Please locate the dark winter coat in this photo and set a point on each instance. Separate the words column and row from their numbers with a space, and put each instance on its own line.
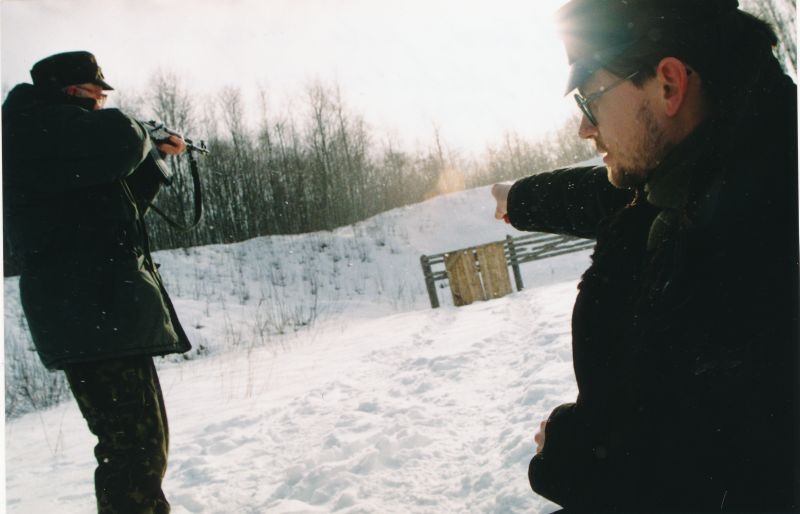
column 685, row 327
column 76, row 183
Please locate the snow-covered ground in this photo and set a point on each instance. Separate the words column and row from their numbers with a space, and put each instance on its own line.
column 326, row 383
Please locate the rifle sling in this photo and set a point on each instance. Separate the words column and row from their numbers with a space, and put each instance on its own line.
column 198, row 200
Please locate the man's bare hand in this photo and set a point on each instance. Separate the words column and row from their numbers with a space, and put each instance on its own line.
column 173, row 145
column 539, row 437
column 500, row 193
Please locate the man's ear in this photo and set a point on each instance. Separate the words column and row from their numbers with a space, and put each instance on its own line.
column 673, row 80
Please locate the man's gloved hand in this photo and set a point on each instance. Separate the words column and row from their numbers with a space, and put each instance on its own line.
column 500, row 193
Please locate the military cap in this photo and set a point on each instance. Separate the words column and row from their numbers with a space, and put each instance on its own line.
column 597, row 31
column 68, row 68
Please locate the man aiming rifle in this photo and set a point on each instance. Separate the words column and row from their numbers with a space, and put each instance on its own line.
column 77, row 181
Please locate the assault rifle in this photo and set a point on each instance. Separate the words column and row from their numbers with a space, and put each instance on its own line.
column 158, row 133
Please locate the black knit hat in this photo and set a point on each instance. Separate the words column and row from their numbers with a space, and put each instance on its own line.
column 597, row 31
column 68, row 68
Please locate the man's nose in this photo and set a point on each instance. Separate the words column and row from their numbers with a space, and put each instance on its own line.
column 586, row 130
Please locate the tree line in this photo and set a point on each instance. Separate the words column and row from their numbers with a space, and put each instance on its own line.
column 320, row 171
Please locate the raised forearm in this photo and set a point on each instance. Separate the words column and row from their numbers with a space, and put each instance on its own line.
column 566, row 201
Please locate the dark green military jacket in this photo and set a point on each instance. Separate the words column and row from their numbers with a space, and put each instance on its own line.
column 76, row 183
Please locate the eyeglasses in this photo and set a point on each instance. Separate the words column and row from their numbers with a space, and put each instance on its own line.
column 584, row 102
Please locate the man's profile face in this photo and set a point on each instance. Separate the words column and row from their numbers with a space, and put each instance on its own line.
column 628, row 134
column 88, row 90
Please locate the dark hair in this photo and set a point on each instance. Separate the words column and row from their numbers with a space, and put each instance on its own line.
column 733, row 41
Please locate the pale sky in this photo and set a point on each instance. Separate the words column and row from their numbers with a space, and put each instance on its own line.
column 474, row 68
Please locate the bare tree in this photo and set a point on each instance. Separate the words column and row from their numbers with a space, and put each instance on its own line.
column 517, row 157
column 172, row 104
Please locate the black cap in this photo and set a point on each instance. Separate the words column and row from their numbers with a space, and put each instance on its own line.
column 597, row 31
column 68, row 68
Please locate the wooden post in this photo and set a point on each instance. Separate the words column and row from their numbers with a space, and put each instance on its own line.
column 512, row 256
column 429, row 282
column 465, row 283
column 494, row 270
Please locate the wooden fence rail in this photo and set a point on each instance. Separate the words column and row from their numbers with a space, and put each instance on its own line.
column 469, row 272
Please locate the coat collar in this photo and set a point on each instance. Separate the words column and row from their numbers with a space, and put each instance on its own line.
column 669, row 183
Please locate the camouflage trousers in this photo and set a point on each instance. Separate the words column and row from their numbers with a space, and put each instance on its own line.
column 122, row 403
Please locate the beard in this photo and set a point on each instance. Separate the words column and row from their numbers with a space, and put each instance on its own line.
column 633, row 168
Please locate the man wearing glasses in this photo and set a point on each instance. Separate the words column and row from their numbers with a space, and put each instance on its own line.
column 77, row 181
column 685, row 327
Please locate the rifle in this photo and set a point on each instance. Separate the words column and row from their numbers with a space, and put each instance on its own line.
column 158, row 132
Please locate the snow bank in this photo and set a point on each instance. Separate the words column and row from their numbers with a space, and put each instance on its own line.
column 327, row 383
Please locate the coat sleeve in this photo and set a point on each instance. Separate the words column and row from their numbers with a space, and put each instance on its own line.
column 79, row 148
column 560, row 472
column 565, row 201
column 145, row 183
